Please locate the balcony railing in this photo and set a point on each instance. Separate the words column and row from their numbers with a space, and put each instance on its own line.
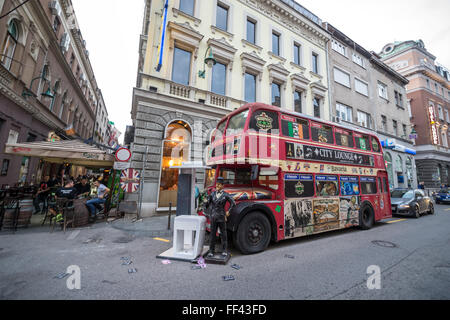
column 194, row 94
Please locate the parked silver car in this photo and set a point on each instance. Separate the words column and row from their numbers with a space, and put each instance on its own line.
column 411, row 202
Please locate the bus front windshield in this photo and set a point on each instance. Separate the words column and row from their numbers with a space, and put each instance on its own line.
column 235, row 176
column 237, row 123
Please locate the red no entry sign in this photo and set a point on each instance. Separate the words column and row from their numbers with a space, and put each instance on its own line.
column 123, row 155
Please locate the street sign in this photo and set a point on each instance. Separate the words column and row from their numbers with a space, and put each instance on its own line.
column 123, row 155
column 121, row 165
column 130, row 180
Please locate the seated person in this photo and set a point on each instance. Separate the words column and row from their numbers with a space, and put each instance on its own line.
column 83, row 188
column 102, row 192
column 67, row 192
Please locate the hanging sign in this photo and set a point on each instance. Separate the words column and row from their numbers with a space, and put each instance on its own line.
column 130, row 180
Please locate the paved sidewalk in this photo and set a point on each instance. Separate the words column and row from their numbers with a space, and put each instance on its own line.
column 146, row 227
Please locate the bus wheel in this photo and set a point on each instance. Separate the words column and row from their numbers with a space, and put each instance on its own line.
column 366, row 218
column 253, row 234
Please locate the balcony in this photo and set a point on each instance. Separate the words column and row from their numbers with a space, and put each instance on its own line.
column 170, row 88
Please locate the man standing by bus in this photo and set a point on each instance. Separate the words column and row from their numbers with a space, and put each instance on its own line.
column 217, row 200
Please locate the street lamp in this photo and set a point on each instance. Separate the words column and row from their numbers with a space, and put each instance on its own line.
column 27, row 92
column 210, row 61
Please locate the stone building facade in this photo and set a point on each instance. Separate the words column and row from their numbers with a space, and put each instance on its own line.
column 271, row 51
column 46, row 82
column 428, row 94
column 366, row 93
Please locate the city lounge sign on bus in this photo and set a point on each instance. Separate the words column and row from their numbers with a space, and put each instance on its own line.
column 434, row 130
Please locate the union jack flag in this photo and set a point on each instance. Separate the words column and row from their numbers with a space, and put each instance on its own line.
column 130, row 180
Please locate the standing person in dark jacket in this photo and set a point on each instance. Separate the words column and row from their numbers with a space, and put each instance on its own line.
column 217, row 200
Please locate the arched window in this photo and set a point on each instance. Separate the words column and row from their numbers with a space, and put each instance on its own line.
column 176, row 149
column 63, row 103
column 10, row 44
column 389, row 168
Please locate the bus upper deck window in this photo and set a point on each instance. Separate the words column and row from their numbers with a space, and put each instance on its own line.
column 265, row 122
column 362, row 142
column 294, row 127
column 219, row 132
column 344, row 138
column 321, row 133
column 237, row 123
column 375, row 145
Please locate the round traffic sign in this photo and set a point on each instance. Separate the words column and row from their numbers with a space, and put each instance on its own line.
column 123, row 155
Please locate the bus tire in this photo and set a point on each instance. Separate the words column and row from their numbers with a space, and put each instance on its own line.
column 253, row 234
column 366, row 217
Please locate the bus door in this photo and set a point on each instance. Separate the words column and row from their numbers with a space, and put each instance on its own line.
column 384, row 195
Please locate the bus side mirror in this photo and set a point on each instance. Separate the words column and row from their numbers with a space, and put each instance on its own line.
column 255, row 172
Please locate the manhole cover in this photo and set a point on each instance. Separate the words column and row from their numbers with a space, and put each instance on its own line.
column 123, row 240
column 385, row 244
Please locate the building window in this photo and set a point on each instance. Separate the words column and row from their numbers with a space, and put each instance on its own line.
column 361, row 87
column 344, row 112
column 384, row 123
column 298, row 101
column 441, row 113
column 339, row 48
column 182, row 61
column 251, row 31
column 428, row 84
column 342, row 77
column 405, row 133
column 447, row 116
column 364, row 119
column 276, row 94
column 222, row 17
column 9, row 47
column 5, row 167
column 56, row 24
column 187, row 6
column 250, row 87
column 444, row 139
column 358, row 60
column 219, row 78
column 31, row 137
column 315, row 63
column 316, row 105
column 13, row 136
column 398, row 99
column 436, row 88
column 275, row 43
column 297, row 53
column 395, row 126
column 382, row 90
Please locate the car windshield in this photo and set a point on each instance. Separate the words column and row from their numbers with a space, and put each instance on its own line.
column 403, row 194
column 446, row 191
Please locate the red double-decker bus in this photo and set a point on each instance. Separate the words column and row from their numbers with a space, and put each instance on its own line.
column 293, row 175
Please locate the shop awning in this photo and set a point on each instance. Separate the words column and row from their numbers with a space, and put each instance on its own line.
column 74, row 152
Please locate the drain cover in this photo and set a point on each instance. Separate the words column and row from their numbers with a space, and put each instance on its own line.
column 123, row 240
column 385, row 244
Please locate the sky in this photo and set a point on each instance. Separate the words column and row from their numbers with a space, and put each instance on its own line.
column 112, row 28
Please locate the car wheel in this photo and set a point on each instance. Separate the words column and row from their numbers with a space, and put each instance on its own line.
column 416, row 212
column 253, row 234
column 366, row 218
column 431, row 211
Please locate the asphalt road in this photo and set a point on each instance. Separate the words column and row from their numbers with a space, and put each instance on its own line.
column 414, row 264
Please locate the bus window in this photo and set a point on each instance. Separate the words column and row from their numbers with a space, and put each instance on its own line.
column 368, row 185
column 218, row 133
column 237, row 123
column 344, row 138
column 321, row 133
column 375, row 145
column 326, row 186
column 349, row 186
column 362, row 142
column 298, row 186
column 268, row 177
column 234, row 176
column 265, row 122
column 294, row 127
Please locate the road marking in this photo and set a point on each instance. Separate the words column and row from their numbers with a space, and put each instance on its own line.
column 394, row 221
column 73, row 235
column 447, row 209
column 160, row 239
